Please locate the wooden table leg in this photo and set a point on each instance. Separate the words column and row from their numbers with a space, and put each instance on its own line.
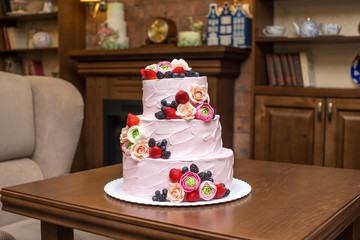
column 51, row 231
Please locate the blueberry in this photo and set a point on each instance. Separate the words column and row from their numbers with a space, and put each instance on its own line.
column 209, row 174
column 175, row 75
column 164, row 142
column 182, row 75
column 196, row 74
column 160, row 75
column 168, row 74
column 163, row 102
column 222, row 184
column 184, row 169
column 142, row 78
column 155, row 198
column 211, row 180
column 158, row 144
column 162, row 108
column 164, row 191
column 163, row 148
column 151, row 142
column 157, row 192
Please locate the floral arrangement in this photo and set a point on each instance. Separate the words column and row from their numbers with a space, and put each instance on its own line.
column 109, row 39
column 197, row 27
column 190, row 185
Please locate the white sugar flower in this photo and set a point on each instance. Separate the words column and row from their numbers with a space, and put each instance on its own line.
column 135, row 134
column 180, row 63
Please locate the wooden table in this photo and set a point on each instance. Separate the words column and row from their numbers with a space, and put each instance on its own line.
column 287, row 202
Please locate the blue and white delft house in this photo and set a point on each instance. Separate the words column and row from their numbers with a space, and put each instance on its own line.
column 229, row 28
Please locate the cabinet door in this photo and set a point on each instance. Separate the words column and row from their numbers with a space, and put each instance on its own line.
column 289, row 129
column 342, row 142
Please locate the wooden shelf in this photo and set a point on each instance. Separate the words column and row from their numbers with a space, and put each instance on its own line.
column 29, row 50
column 307, row 92
column 29, row 17
column 320, row 40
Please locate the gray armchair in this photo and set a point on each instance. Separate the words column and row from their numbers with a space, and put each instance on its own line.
column 40, row 125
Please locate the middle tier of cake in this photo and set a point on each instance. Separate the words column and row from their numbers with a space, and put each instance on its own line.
column 194, row 138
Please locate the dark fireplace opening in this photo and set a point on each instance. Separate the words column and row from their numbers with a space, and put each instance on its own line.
column 114, row 119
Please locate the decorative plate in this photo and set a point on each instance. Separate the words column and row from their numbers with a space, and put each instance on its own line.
column 355, row 69
column 115, row 189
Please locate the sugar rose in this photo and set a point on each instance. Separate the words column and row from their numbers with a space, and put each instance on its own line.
column 175, row 193
column 123, row 135
column 186, row 111
column 198, row 93
column 140, row 150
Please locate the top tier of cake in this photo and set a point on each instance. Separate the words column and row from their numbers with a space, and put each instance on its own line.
column 156, row 90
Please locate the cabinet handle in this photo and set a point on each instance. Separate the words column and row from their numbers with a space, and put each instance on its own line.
column 319, row 110
column 330, row 105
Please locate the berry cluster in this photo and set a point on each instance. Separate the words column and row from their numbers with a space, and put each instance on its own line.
column 158, row 150
column 160, row 196
column 168, row 110
column 178, row 72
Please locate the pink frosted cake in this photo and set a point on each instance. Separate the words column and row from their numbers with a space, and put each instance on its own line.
column 173, row 152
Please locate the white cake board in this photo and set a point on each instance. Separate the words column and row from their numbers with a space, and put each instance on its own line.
column 115, row 189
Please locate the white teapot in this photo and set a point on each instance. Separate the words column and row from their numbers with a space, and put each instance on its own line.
column 307, row 29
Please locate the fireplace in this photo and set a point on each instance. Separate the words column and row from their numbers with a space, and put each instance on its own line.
column 114, row 119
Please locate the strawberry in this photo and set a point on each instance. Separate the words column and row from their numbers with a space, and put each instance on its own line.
column 132, row 120
column 170, row 113
column 149, row 74
column 155, row 152
column 220, row 191
column 192, row 196
column 175, row 175
column 182, row 97
column 142, row 71
column 178, row 70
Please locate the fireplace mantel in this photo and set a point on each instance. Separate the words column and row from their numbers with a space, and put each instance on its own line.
column 115, row 74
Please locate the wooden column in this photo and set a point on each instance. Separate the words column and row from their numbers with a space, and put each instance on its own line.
column 115, row 74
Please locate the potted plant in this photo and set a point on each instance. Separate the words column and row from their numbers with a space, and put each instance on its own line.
column 193, row 37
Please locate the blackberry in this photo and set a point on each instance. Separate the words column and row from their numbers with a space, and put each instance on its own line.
column 163, row 148
column 174, row 104
column 214, row 113
column 203, row 176
column 185, row 169
column 162, row 198
column 210, row 179
column 157, row 192
column 165, row 191
column 158, row 144
column 168, row 74
column 194, row 168
column 151, row 142
column 160, row 115
column 209, row 174
column 175, row 75
column 163, row 102
column 164, row 142
column 168, row 104
column 227, row 192
column 160, row 75
column 155, row 198
column 165, row 154
column 187, row 73
column 182, row 75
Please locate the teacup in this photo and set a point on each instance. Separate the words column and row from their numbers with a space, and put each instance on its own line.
column 274, row 31
column 330, row 29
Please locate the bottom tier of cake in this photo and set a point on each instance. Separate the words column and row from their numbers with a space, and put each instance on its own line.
column 143, row 178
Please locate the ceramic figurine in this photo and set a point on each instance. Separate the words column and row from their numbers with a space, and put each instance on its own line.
column 307, row 29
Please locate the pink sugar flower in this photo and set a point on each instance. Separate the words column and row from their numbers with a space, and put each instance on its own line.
column 204, row 112
column 126, row 148
column 190, row 181
column 207, row 190
column 176, row 193
column 163, row 67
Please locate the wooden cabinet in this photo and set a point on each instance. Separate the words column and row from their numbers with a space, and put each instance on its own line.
column 308, row 130
column 315, row 125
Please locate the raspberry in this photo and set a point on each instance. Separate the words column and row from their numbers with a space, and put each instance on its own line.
column 160, row 115
column 149, row 74
column 220, row 191
column 165, row 154
column 182, row 97
column 132, row 120
column 175, row 175
column 192, row 196
column 178, row 70
column 151, row 142
column 194, row 168
column 170, row 113
column 155, row 152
